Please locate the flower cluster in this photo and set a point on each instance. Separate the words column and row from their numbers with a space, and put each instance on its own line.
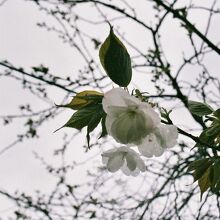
column 134, row 123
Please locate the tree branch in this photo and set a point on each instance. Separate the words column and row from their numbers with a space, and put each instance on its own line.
column 192, row 27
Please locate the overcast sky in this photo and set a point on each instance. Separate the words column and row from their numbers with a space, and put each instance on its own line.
column 24, row 44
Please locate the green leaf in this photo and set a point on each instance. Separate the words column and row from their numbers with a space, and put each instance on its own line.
column 197, row 163
column 207, row 172
column 200, row 170
column 211, row 178
column 217, row 113
column 94, row 121
column 115, row 60
column 83, row 99
column 205, row 140
column 204, row 182
column 81, row 118
column 104, row 131
column 213, row 130
column 89, row 116
column 215, row 178
column 217, row 186
column 199, row 109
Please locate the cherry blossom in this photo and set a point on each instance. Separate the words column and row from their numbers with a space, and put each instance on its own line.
column 128, row 119
column 125, row 159
column 154, row 144
column 132, row 122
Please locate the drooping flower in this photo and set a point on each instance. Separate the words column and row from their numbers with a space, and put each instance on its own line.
column 125, row 159
column 128, row 119
column 154, row 144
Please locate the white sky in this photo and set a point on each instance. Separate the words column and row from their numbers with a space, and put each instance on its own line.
column 26, row 45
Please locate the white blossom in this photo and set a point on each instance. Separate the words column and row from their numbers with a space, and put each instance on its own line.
column 154, row 144
column 125, row 159
column 128, row 119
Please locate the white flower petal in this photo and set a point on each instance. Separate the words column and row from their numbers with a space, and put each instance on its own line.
column 114, row 97
column 119, row 97
column 108, row 124
column 167, row 135
column 109, row 153
column 125, row 159
column 128, row 128
column 140, row 164
column 150, row 146
column 151, row 117
column 125, row 170
column 128, row 172
column 115, row 162
column 105, row 160
column 135, row 172
column 131, row 162
column 116, row 111
column 131, row 101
